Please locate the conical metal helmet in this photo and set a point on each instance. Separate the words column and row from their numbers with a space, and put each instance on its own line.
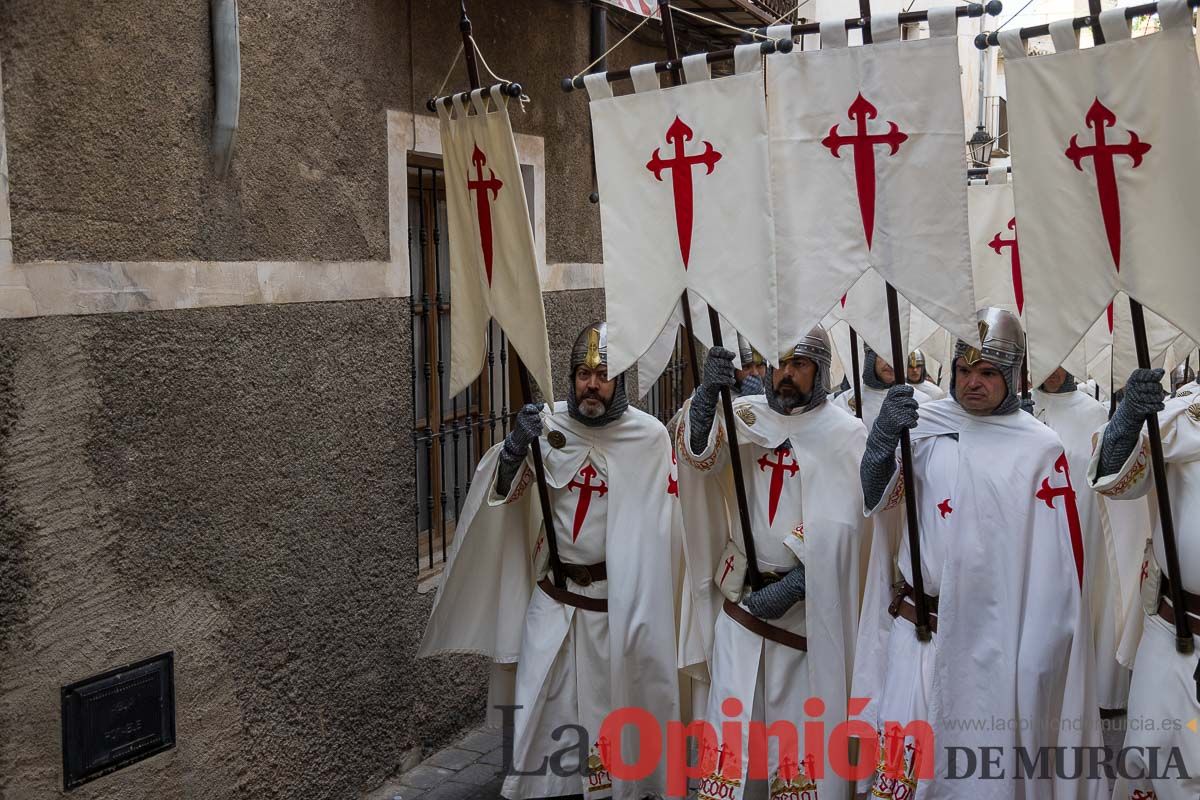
column 591, row 347
column 916, row 359
column 748, row 355
column 1181, row 375
column 1001, row 340
column 815, row 346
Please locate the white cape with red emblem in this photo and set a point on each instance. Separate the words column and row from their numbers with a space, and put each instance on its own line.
column 491, row 572
column 827, row 444
column 1010, row 664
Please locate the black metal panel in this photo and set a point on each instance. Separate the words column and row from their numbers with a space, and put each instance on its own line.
column 116, row 719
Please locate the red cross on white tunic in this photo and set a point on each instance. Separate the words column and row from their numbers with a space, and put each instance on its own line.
column 586, row 490
column 778, row 468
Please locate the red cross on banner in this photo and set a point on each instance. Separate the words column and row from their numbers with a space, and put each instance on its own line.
column 1103, row 156
column 863, row 144
column 483, row 206
column 680, row 166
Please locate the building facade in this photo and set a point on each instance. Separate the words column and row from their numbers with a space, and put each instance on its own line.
column 221, row 432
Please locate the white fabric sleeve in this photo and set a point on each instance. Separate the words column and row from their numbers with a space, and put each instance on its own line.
column 715, row 454
column 516, row 490
column 893, row 493
column 1132, row 480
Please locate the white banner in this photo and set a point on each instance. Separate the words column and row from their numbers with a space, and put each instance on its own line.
column 995, row 254
column 1105, row 176
column 493, row 263
column 684, row 203
column 870, row 171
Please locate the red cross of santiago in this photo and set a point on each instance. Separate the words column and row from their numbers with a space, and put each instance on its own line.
column 1014, row 257
column 1103, row 154
column 778, row 467
column 863, row 144
column 586, row 490
column 1048, row 494
column 681, row 165
column 483, row 206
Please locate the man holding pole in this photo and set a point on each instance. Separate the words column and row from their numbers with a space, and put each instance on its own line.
column 1001, row 557
column 588, row 620
column 1166, row 682
column 776, row 637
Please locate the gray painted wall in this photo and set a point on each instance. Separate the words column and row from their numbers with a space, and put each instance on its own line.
column 236, row 484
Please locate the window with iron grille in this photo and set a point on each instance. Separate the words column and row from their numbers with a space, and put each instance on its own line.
column 450, row 434
column 673, row 387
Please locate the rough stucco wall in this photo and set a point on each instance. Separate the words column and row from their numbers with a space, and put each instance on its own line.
column 109, row 112
column 110, row 108
column 235, row 485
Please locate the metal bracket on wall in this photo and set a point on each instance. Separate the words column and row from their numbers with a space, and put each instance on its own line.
column 227, row 78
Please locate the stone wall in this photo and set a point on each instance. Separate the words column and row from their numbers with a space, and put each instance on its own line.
column 236, row 483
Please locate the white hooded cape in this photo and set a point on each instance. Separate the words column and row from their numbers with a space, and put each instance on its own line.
column 490, row 573
column 1013, row 641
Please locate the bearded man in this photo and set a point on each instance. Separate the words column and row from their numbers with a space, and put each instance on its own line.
column 603, row 635
column 767, row 649
column 1001, row 559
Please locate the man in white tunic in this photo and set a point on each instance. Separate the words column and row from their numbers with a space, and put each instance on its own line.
column 1164, row 697
column 918, row 376
column 1183, row 381
column 769, row 651
column 877, row 378
column 1113, row 537
column 1009, row 662
column 604, row 636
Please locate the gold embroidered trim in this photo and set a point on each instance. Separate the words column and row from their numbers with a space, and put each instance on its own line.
column 1135, row 474
column 522, row 485
column 702, row 464
column 897, row 491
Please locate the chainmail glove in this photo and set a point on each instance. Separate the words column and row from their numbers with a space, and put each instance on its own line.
column 718, row 373
column 1143, row 398
column 751, row 384
column 527, row 427
column 1027, row 405
column 898, row 413
column 772, row 602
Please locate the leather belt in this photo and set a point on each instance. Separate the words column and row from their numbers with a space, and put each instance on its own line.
column 1190, row 601
column 571, row 599
column 585, row 574
column 1167, row 611
column 903, row 606
column 765, row 629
